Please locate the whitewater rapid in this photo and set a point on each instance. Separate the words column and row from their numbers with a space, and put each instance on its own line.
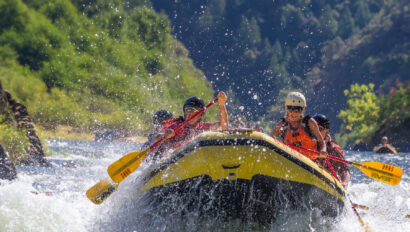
column 53, row 199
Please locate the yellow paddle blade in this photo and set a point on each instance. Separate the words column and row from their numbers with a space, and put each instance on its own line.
column 386, row 173
column 101, row 191
column 120, row 169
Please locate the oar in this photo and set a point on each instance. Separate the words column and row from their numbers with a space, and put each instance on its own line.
column 386, row 173
column 120, row 169
column 366, row 227
column 379, row 171
column 357, row 206
column 363, row 207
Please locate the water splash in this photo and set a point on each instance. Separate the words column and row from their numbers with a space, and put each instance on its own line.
column 53, row 199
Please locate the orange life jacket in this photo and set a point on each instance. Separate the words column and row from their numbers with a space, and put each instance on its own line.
column 300, row 137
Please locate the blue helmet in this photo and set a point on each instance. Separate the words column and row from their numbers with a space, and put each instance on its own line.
column 162, row 116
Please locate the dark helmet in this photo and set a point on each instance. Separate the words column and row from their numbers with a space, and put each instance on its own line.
column 162, row 116
column 194, row 102
column 322, row 121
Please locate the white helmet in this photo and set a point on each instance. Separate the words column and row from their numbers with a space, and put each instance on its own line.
column 295, row 99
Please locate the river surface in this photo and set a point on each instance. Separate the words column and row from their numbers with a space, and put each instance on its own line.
column 53, row 199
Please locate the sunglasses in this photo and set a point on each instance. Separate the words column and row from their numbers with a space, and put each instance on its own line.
column 295, row 108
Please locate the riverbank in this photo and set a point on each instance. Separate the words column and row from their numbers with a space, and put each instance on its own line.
column 64, row 132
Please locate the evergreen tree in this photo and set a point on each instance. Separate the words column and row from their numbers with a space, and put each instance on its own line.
column 362, row 14
column 249, row 33
column 328, row 23
column 346, row 23
column 277, row 69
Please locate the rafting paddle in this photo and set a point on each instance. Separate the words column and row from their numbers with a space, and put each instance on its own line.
column 122, row 168
column 386, row 173
column 101, row 190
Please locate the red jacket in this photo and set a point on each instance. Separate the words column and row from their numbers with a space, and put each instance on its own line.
column 186, row 133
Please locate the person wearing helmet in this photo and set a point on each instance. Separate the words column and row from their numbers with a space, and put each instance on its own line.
column 195, row 126
column 384, row 147
column 333, row 149
column 160, row 119
column 299, row 130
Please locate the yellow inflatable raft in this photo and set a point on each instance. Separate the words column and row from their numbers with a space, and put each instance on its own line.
column 385, row 149
column 242, row 174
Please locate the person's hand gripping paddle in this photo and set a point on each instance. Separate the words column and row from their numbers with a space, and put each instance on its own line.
column 123, row 167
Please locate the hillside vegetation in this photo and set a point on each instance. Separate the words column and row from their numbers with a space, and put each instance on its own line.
column 111, row 64
column 94, row 64
column 368, row 117
column 260, row 50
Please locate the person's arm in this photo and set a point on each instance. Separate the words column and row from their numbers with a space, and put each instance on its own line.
column 345, row 178
column 377, row 147
column 169, row 133
column 223, row 115
column 314, row 128
column 342, row 169
column 278, row 130
column 148, row 143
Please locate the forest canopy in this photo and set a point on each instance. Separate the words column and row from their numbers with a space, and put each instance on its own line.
column 94, row 64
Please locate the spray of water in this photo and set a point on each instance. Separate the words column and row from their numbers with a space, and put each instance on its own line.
column 53, row 199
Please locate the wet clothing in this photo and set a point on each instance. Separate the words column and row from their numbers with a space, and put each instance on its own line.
column 300, row 137
column 186, row 133
column 150, row 139
column 182, row 136
column 335, row 150
column 152, row 136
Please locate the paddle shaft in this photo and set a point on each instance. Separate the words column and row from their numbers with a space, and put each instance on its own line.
column 357, row 165
column 104, row 188
column 120, row 169
column 159, row 142
column 354, row 209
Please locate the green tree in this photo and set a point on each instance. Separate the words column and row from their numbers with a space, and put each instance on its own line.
column 328, row 22
column 249, row 32
column 277, row 68
column 360, row 118
column 346, row 23
column 396, row 107
column 213, row 12
column 93, row 64
column 362, row 15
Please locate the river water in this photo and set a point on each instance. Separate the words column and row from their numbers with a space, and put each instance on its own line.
column 53, row 199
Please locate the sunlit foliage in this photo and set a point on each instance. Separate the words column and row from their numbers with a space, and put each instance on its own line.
column 368, row 117
column 94, row 64
column 360, row 117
